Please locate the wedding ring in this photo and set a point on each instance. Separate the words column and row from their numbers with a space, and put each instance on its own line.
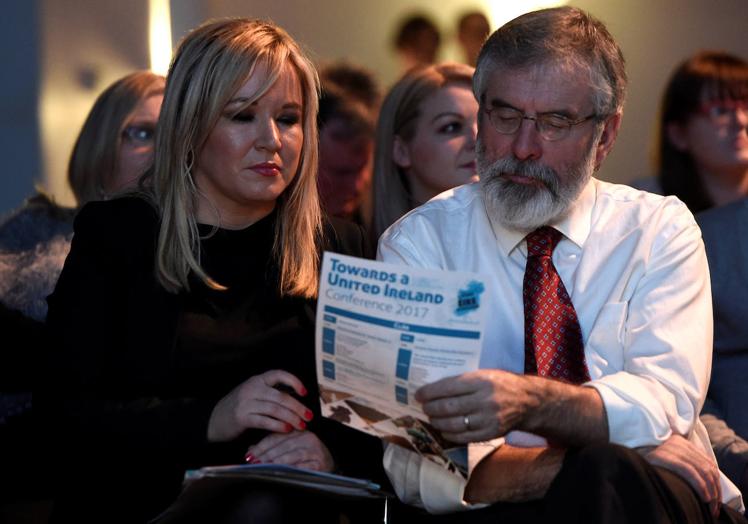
column 466, row 421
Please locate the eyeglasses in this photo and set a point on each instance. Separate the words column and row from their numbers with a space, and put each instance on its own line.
column 721, row 112
column 550, row 126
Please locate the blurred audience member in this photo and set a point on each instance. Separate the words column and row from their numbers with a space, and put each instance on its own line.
column 114, row 147
column 725, row 414
column 417, row 41
column 703, row 143
column 472, row 30
column 425, row 140
column 347, row 117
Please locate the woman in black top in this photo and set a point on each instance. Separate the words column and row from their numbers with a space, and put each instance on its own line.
column 182, row 323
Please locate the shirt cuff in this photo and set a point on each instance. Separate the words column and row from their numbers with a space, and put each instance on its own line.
column 421, row 482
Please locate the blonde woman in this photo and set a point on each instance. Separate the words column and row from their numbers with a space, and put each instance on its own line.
column 425, row 140
column 184, row 314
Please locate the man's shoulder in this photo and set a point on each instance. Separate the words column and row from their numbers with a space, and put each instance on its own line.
column 640, row 208
column 449, row 210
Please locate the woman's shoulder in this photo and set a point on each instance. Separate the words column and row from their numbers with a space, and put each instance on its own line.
column 124, row 221
column 347, row 238
column 131, row 213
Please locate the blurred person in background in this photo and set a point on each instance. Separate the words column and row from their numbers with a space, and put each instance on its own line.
column 702, row 154
column 425, row 140
column 472, row 30
column 347, row 117
column 416, row 41
column 113, row 149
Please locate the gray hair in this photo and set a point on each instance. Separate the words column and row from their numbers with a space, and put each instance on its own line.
column 563, row 36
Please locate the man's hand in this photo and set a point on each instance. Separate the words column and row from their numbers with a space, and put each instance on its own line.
column 488, row 403
column 492, row 402
column 686, row 460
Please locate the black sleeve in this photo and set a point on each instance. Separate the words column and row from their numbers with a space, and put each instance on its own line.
column 347, row 238
column 108, row 384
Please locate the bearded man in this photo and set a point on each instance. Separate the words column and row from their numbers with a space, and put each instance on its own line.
column 597, row 352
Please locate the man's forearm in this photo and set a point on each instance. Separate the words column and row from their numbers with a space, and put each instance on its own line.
column 512, row 474
column 566, row 414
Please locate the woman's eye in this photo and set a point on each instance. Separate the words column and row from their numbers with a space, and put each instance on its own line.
column 243, row 116
column 718, row 111
column 138, row 133
column 452, row 127
column 290, row 119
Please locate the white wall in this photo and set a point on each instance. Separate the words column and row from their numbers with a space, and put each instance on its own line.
column 85, row 44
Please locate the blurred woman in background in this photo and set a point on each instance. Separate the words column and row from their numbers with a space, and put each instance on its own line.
column 703, row 137
column 425, row 140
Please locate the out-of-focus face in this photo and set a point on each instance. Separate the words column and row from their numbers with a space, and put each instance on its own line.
column 529, row 181
column 253, row 152
column 716, row 137
column 441, row 154
column 345, row 165
column 136, row 147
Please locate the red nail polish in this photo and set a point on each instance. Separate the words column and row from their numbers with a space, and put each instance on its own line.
column 303, row 391
column 288, row 427
column 302, row 425
column 249, row 457
column 308, row 415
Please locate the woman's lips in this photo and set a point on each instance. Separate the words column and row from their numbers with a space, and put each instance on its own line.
column 469, row 165
column 266, row 169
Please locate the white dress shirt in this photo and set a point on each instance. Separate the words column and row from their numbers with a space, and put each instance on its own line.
column 635, row 269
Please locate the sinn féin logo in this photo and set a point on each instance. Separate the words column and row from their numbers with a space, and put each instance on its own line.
column 468, row 299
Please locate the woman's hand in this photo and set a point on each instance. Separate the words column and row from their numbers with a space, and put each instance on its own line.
column 257, row 403
column 299, row 448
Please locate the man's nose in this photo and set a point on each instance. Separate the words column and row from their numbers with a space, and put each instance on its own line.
column 527, row 143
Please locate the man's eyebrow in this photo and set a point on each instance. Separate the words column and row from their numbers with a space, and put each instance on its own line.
column 498, row 102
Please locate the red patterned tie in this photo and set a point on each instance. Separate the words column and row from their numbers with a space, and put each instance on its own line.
column 553, row 339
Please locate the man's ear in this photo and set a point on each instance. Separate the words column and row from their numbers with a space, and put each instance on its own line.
column 400, row 153
column 676, row 134
column 607, row 138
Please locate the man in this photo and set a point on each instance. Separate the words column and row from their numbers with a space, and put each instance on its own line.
column 599, row 334
column 347, row 117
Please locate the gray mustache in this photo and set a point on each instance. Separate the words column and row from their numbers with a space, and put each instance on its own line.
column 527, row 168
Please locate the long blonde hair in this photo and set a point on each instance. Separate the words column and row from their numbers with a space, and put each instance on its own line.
column 399, row 118
column 209, row 66
column 96, row 152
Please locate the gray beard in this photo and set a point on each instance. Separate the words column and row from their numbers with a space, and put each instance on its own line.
column 524, row 207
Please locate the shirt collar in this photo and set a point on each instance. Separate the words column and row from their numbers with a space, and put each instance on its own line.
column 575, row 225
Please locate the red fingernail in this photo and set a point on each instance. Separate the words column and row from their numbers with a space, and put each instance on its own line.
column 288, row 427
column 308, row 415
column 302, row 425
column 303, row 391
column 249, row 457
